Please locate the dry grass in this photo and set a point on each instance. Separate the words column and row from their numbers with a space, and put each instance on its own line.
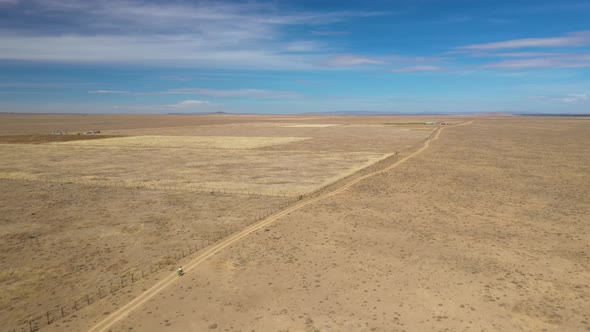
column 487, row 230
column 41, row 139
column 187, row 142
column 60, row 240
column 263, row 172
column 312, row 125
column 83, row 213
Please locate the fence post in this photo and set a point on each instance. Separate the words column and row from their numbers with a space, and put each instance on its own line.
column 87, row 299
column 48, row 321
column 62, row 312
column 30, row 326
column 121, row 281
column 99, row 293
column 132, row 278
column 76, row 305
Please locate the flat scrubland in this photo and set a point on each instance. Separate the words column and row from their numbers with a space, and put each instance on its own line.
column 487, row 229
column 78, row 211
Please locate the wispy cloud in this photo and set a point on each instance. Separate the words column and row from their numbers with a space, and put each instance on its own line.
column 576, row 97
column 191, row 103
column 37, row 84
column 418, row 68
column 204, row 34
column 570, row 98
column 106, row 92
column 349, row 60
column 329, row 33
column 558, row 61
column 177, row 78
column 580, row 38
column 457, row 19
column 212, row 93
column 515, row 54
column 236, row 93
column 303, row 46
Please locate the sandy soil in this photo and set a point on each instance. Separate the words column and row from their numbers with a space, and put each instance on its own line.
column 59, row 241
column 75, row 217
column 486, row 230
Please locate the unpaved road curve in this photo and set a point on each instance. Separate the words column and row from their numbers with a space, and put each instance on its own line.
column 122, row 312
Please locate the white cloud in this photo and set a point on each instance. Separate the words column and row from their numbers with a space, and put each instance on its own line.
column 417, row 68
column 570, row 98
column 348, row 60
column 164, row 50
column 575, row 97
column 190, row 103
column 203, row 34
column 302, row 46
column 579, row 38
column 515, row 54
column 577, row 60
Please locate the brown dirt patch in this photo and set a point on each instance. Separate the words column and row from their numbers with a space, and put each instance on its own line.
column 486, row 230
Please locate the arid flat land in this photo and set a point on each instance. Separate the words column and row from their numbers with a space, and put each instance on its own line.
column 487, row 229
column 79, row 211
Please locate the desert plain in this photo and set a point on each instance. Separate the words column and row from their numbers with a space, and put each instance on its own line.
column 294, row 223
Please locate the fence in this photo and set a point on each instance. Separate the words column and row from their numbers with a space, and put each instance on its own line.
column 143, row 185
column 35, row 322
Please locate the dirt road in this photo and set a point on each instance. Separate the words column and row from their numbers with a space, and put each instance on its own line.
column 121, row 313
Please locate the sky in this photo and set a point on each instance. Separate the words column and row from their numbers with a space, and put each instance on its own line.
column 284, row 57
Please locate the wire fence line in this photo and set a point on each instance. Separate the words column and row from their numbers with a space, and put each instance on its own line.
column 143, row 185
column 41, row 319
column 36, row 321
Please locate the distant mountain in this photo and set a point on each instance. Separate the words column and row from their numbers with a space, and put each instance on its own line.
column 201, row 113
column 374, row 113
column 553, row 114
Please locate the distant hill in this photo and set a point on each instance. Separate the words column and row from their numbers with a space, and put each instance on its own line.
column 201, row 113
column 554, row 114
column 375, row 113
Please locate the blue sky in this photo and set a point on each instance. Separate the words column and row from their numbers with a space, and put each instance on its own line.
column 140, row 56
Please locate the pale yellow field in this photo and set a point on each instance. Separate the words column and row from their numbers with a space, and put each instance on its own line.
column 200, row 142
column 287, row 173
column 312, row 125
